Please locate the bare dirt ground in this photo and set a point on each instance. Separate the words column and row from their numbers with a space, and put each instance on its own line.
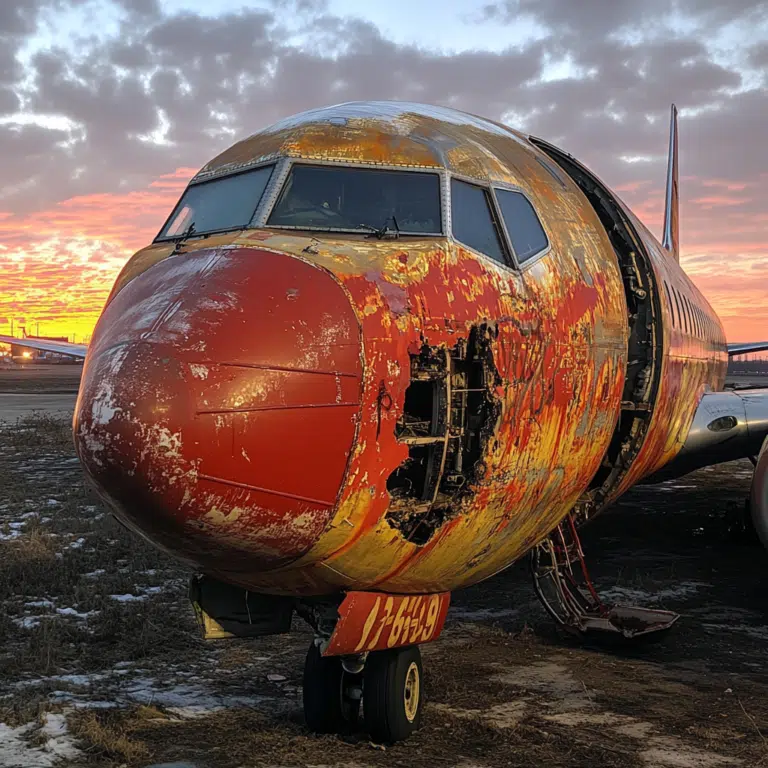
column 101, row 663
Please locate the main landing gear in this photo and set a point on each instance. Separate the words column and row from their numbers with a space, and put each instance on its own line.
column 388, row 683
column 562, row 583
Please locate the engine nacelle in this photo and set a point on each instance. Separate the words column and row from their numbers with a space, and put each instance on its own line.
column 759, row 498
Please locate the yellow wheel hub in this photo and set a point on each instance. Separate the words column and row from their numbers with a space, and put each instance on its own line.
column 412, row 685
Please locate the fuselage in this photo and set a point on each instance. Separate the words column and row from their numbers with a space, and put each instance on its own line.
column 306, row 409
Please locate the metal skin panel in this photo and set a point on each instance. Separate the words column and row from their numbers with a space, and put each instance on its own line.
column 226, row 446
column 371, row 621
column 174, row 451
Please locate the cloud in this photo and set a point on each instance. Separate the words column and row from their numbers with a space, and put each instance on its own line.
column 89, row 130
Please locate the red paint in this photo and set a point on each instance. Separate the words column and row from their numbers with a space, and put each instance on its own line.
column 375, row 621
column 219, row 406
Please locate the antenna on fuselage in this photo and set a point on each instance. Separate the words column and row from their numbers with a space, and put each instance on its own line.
column 671, row 239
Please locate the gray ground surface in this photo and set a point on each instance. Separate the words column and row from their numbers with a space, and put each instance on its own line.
column 100, row 663
column 15, row 405
column 38, row 388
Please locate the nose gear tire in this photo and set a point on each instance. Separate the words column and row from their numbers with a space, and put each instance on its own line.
column 327, row 706
column 393, row 694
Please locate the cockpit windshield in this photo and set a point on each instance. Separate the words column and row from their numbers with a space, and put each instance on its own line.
column 360, row 200
column 219, row 205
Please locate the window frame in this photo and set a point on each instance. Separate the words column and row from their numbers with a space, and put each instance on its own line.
column 521, row 266
column 508, row 252
column 277, row 182
column 677, row 304
column 209, row 179
column 669, row 303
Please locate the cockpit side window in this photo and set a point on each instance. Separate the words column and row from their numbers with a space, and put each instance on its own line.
column 473, row 222
column 219, row 205
column 523, row 226
column 359, row 200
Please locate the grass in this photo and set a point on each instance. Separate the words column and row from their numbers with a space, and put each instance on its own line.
column 107, row 734
column 70, row 553
column 66, row 563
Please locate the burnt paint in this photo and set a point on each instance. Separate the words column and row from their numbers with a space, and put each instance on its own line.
column 559, row 346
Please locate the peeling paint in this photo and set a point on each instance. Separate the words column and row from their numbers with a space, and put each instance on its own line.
column 275, row 464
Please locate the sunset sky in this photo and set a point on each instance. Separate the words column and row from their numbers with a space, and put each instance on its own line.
column 107, row 108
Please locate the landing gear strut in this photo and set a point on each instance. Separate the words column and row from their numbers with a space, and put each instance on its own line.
column 389, row 683
column 563, row 585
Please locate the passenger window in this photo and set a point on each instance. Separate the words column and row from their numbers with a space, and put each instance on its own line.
column 226, row 203
column 523, row 225
column 473, row 221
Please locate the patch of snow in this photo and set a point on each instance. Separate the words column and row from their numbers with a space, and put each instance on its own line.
column 757, row 633
column 144, row 592
column 76, row 614
column 15, row 752
column 631, row 595
column 28, row 622
column 127, row 598
column 188, row 701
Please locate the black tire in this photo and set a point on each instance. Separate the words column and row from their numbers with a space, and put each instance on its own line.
column 393, row 694
column 326, row 706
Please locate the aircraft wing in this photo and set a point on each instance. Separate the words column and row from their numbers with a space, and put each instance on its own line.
column 59, row 347
column 743, row 349
column 728, row 425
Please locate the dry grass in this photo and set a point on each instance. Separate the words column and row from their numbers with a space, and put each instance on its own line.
column 40, row 431
column 108, row 734
column 68, row 551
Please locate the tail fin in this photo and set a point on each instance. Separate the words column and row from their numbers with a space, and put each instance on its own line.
column 671, row 207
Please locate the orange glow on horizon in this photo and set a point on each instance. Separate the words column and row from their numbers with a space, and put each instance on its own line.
column 59, row 265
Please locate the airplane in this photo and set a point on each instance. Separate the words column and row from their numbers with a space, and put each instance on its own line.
column 380, row 351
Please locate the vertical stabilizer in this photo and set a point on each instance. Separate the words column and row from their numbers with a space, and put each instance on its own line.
column 671, row 206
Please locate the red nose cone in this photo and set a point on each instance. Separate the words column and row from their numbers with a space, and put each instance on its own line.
column 219, row 406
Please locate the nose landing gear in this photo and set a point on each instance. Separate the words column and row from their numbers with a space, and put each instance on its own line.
column 389, row 683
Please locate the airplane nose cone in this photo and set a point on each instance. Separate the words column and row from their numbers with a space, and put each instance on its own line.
column 219, row 406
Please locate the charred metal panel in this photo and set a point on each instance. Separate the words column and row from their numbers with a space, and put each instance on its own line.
column 450, row 413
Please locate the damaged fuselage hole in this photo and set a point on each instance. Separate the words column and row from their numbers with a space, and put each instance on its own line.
column 449, row 414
